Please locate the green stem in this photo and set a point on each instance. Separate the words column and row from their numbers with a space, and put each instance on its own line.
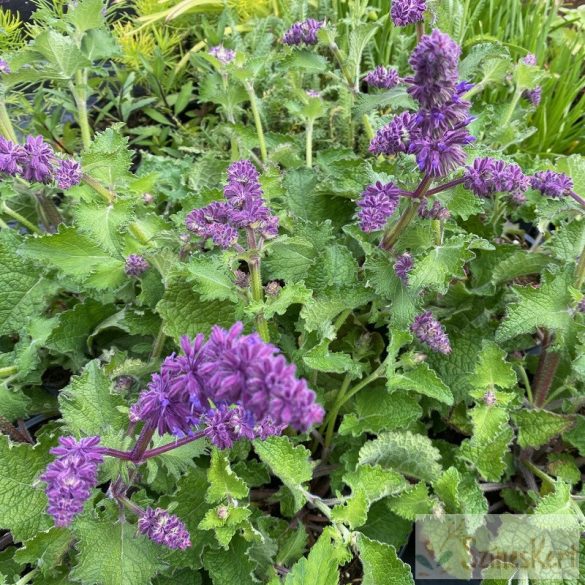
column 19, row 218
column 310, row 124
column 4, row 225
column 108, row 196
column 526, row 382
column 6, row 127
column 27, row 577
column 368, row 127
column 343, row 66
column 130, row 505
column 332, row 417
column 438, row 231
column 159, row 344
column 79, row 91
column 361, row 385
column 258, row 296
column 512, row 107
column 257, row 121
column 420, row 30
column 580, row 272
column 545, row 372
column 138, row 233
column 8, row 371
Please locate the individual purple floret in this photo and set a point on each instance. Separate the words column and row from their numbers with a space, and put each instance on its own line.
column 243, row 171
column 530, row 59
column 226, row 425
column 393, row 137
column 312, row 93
column 68, row 174
column 135, row 265
column 11, row 157
column 378, row 202
column 405, row 12
column 164, row 528
column 436, row 211
column 222, row 54
column 552, row 184
column 213, row 222
column 435, row 64
column 382, row 78
column 428, row 330
column 38, row 159
column 303, row 33
column 534, row 96
column 4, row 67
column 71, row 477
column 403, row 266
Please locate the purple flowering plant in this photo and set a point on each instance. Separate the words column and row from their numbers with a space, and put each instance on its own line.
column 275, row 280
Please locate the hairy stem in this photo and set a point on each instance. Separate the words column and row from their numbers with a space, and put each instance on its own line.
column 511, row 108
column 256, row 289
column 577, row 198
column 126, row 502
column 107, row 195
column 142, row 442
column 8, row 371
column 257, row 121
column 343, row 66
column 368, row 127
column 309, row 155
column 19, row 218
column 170, row 446
column 545, row 373
column 26, row 578
column 79, row 91
column 159, row 344
column 580, row 271
column 420, row 30
column 332, row 417
column 444, row 187
column 6, row 127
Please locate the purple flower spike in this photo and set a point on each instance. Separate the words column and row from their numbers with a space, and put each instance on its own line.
column 227, row 425
column 303, row 33
column 530, row 59
column 71, row 477
column 378, row 202
column 135, row 265
column 394, row 137
column 222, row 54
column 405, row 12
column 164, row 528
column 428, row 330
column 68, row 174
column 552, row 184
column 435, row 64
column 213, row 222
column 37, row 164
column 4, row 67
column 243, row 171
column 383, row 78
column 11, row 157
column 403, row 266
column 534, row 96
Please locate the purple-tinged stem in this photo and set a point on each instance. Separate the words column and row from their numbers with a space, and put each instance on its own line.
column 130, row 505
column 444, row 187
column 170, row 446
column 420, row 30
column 124, row 455
column 577, row 198
column 142, row 442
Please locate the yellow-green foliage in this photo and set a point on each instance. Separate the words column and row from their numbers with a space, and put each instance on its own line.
column 11, row 31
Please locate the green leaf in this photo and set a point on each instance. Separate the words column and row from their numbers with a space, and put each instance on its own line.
column 375, row 482
column 290, row 464
column 422, row 380
column 87, row 15
column 223, row 482
column 23, row 289
column 381, row 564
column 576, row 436
column 103, row 223
column 461, row 495
column 89, row 408
column 225, row 521
column 184, row 312
column 377, row 410
column 177, row 461
column 46, row 550
column 295, row 293
column 61, row 52
column 492, row 370
column 568, row 240
column 545, row 307
column 520, row 263
column 132, row 559
column 76, row 255
column 108, row 158
column 231, row 567
column 354, row 511
column 410, row 454
column 289, row 259
column 320, row 567
column 412, row 502
column 321, row 359
column 13, row 403
column 211, row 279
column 22, row 503
column 538, row 427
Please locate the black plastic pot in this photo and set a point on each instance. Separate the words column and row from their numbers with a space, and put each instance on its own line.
column 23, row 7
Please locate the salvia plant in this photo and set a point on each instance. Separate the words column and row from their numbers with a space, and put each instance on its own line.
column 278, row 278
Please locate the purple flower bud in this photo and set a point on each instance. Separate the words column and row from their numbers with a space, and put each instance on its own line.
column 313, row 93
column 534, row 96
column 428, row 330
column 435, row 63
column 383, row 78
column 4, row 67
column 148, row 198
column 303, row 33
column 530, row 59
column 489, row 398
column 581, row 305
column 405, row 12
column 378, row 202
column 12, row 156
column 222, row 54
column 436, row 211
column 242, row 279
column 71, row 477
column 552, row 184
column 135, row 265
column 272, row 288
column 393, row 137
column 164, row 528
column 403, row 266
column 37, row 164
column 124, row 383
column 68, row 174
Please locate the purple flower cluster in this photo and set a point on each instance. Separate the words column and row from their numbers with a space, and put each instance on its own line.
column 164, row 528
column 377, row 203
column 243, row 208
column 222, row 54
column 552, row 184
column 403, row 266
column 405, row 12
column 303, row 33
column 534, row 96
column 135, row 265
column 428, row 330
column 437, row 133
column 35, row 161
column 436, row 211
column 487, row 176
column 71, row 477
column 4, row 67
column 530, row 59
column 228, row 369
column 382, row 78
